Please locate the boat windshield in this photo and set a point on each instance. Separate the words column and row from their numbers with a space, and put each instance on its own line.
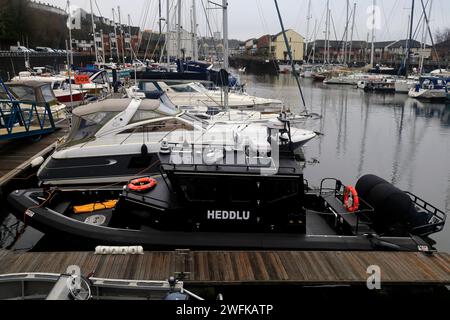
column 86, row 127
column 3, row 94
column 47, row 93
column 167, row 107
column 23, row 93
column 199, row 87
column 195, row 120
column 183, row 88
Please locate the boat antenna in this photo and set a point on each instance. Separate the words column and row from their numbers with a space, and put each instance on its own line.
column 297, row 79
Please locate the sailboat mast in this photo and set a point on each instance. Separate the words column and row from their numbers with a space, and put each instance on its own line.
column 308, row 19
column 168, row 35
column 372, row 51
column 351, row 34
column 194, row 31
column 129, row 32
column 314, row 45
column 179, row 30
column 329, row 34
column 70, row 34
column 408, row 51
column 430, row 33
column 93, row 32
column 69, row 53
column 225, row 50
column 160, row 17
column 425, row 37
column 325, row 54
column 115, row 35
column 289, row 50
column 346, row 32
column 121, row 35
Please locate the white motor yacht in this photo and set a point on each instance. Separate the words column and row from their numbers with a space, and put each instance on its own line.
column 115, row 140
column 196, row 95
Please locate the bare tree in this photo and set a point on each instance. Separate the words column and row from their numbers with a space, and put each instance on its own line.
column 442, row 35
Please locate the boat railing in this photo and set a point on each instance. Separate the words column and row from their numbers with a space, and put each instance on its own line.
column 334, row 198
column 243, row 167
column 19, row 119
column 437, row 219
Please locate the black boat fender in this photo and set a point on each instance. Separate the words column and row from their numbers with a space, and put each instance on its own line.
column 367, row 183
column 395, row 211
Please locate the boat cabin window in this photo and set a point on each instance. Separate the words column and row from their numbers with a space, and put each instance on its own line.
column 60, row 85
column 193, row 119
column 47, row 93
column 199, row 87
column 199, row 189
column 183, row 89
column 167, row 107
column 142, row 115
column 3, row 94
column 440, row 83
column 100, row 79
column 161, row 126
column 148, row 87
column 85, row 128
column 23, row 93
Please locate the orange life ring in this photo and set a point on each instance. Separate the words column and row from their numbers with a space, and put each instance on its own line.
column 351, row 191
column 142, row 184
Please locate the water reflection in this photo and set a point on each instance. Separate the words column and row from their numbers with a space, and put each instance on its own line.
column 438, row 111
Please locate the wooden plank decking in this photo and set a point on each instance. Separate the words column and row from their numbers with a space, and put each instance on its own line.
column 15, row 155
column 236, row 268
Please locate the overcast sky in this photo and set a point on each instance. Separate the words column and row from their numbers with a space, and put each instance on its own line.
column 253, row 18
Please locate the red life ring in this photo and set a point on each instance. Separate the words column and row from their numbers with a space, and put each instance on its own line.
column 354, row 194
column 142, row 184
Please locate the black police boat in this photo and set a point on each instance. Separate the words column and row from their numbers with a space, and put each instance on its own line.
column 208, row 197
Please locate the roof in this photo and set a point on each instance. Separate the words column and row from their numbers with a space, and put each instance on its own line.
column 364, row 44
column 31, row 83
column 264, row 36
column 333, row 44
column 404, row 43
column 114, row 105
column 382, row 44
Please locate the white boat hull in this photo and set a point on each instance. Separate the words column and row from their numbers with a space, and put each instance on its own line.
column 404, row 86
column 428, row 94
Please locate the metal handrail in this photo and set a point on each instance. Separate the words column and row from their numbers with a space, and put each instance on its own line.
column 338, row 194
column 16, row 115
column 248, row 168
column 437, row 214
